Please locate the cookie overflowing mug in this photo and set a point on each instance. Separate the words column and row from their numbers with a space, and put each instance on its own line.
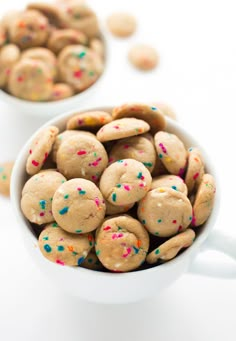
column 115, row 287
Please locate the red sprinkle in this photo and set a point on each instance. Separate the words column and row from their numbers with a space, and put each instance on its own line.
column 107, row 228
column 58, row 261
column 81, row 152
column 174, row 221
column 35, row 163
column 195, row 176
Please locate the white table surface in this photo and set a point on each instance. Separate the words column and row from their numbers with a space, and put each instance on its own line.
column 197, row 72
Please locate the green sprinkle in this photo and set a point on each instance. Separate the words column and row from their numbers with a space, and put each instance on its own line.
column 60, row 248
column 140, row 175
column 120, row 161
column 119, row 228
column 4, row 177
column 45, row 238
column 74, row 253
column 78, row 231
column 143, row 221
column 190, row 218
column 66, row 196
column 157, row 251
column 147, row 164
column 94, row 154
column 91, row 73
column 160, row 156
column 113, row 197
column 82, row 192
column 159, row 221
column 51, row 199
column 62, row 181
column 157, row 233
column 54, row 225
column 118, row 185
column 98, row 252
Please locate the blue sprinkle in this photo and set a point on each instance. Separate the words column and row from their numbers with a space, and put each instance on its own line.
column 136, row 250
column 64, row 210
column 143, row 222
column 60, row 248
column 80, row 260
column 174, row 187
column 154, row 108
column 47, row 248
column 42, row 204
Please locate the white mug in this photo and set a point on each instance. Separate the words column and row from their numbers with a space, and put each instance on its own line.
column 104, row 287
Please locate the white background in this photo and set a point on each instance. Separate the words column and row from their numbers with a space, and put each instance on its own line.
column 196, row 75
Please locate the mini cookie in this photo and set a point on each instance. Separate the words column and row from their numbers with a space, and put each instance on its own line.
column 62, row 38
column 9, row 56
column 40, row 149
column 151, row 114
column 79, row 66
column 61, row 91
column 121, row 243
column 204, row 200
column 62, row 247
column 37, row 196
column 90, row 119
column 78, row 206
column 97, row 46
column 81, row 156
column 172, row 181
column 165, row 211
column 165, row 109
column 92, row 262
column 121, row 24
column 3, row 35
column 30, row 80
column 45, row 55
column 171, row 247
column 119, row 129
column 5, row 177
column 30, row 28
column 61, row 137
column 125, row 182
column 111, row 209
column 143, row 57
column 50, row 11
column 138, row 148
column 172, row 152
column 195, row 169
column 79, row 16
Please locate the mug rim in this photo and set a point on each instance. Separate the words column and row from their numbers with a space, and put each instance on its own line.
column 15, row 199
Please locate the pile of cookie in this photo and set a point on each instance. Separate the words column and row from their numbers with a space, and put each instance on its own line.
column 115, row 191
column 49, row 52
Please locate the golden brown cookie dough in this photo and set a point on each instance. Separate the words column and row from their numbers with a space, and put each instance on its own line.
column 121, row 243
column 151, row 114
column 9, row 56
column 79, row 66
column 195, row 169
column 125, row 182
column 173, row 181
column 111, row 209
column 45, row 55
column 29, row 28
column 172, row 152
column 5, row 177
column 143, row 57
column 82, row 156
column 165, row 211
column 30, row 80
column 59, row 39
column 138, row 148
column 89, row 119
column 64, row 248
column 119, row 129
column 40, row 149
column 204, row 200
column 171, row 247
column 121, row 24
column 97, row 46
column 78, row 206
column 61, row 91
column 37, row 196
column 92, row 262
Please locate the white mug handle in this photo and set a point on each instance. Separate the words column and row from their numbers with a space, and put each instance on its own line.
column 218, row 241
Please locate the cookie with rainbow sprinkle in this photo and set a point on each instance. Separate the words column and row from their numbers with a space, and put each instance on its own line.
column 78, row 206
column 62, row 38
column 121, row 243
column 37, row 196
column 168, row 180
column 165, row 211
column 171, row 247
column 124, row 182
column 40, row 149
column 89, row 120
column 79, row 66
column 195, row 169
column 5, row 177
column 9, row 56
column 151, row 114
column 64, row 248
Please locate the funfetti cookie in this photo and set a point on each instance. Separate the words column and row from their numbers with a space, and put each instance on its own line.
column 204, row 200
column 138, row 148
column 173, row 181
column 62, row 38
column 172, row 152
column 64, row 248
column 122, row 128
column 149, row 113
column 165, row 211
column 61, row 91
column 124, row 182
column 79, row 66
column 5, row 177
column 121, row 243
column 78, row 206
column 30, row 80
column 171, row 247
column 28, row 29
column 121, row 24
column 40, row 149
column 37, row 196
column 195, row 169
column 9, row 56
column 82, row 156
column 88, row 120
column 143, row 57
